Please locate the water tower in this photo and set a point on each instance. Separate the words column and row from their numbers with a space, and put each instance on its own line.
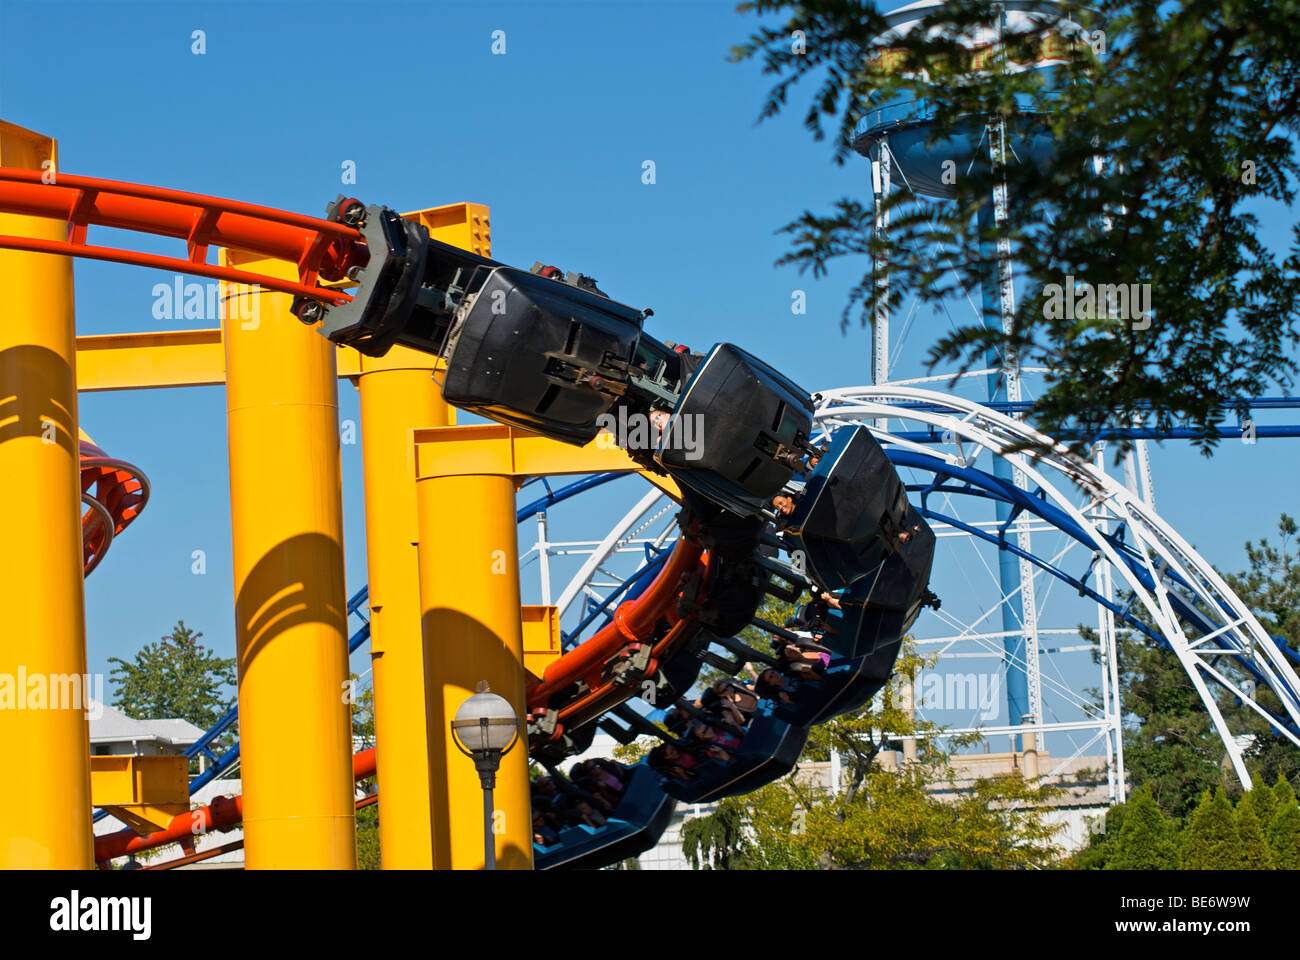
column 894, row 137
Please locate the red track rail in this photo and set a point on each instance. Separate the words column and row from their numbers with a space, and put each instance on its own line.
column 319, row 248
column 114, row 493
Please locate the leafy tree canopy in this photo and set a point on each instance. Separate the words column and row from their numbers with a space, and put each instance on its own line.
column 1172, row 125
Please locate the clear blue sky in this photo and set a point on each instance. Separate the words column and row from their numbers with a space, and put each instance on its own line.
column 552, row 135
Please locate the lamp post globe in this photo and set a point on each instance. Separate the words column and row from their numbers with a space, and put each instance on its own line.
column 485, row 728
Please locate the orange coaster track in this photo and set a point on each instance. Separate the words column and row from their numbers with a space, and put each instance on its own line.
column 113, row 492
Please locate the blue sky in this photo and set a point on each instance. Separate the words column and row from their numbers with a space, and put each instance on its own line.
column 552, row 135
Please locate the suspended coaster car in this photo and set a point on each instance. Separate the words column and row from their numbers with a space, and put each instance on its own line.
column 851, row 512
column 767, row 752
column 863, row 636
column 631, row 828
column 749, row 423
column 525, row 349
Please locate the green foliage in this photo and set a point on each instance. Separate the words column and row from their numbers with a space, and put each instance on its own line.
column 362, row 701
column 1211, row 841
column 1170, row 745
column 1146, row 838
column 1261, row 800
column 717, row 841
column 1284, row 828
column 1191, row 115
column 368, row 838
column 175, row 677
column 1253, row 851
column 1102, row 843
column 1271, row 586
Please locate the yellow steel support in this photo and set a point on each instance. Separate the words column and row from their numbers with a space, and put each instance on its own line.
column 172, row 358
column 541, row 637
column 398, row 394
column 290, row 605
column 494, row 448
column 469, row 592
column 45, row 808
column 166, row 358
column 466, row 479
column 143, row 792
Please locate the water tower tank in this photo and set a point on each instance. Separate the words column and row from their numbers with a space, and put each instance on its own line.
column 905, row 121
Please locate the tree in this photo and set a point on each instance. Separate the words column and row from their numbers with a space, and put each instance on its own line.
column 175, row 677
column 1170, row 745
column 362, row 701
column 1211, row 841
column 1190, row 114
column 1284, row 829
column 1270, row 588
column 1253, row 851
column 1262, row 800
column 717, row 841
column 1103, row 841
column 1145, row 841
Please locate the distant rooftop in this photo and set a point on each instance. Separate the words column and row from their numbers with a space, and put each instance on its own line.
column 111, row 725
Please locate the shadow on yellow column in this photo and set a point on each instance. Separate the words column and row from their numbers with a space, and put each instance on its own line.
column 469, row 588
column 45, row 805
column 398, row 393
column 290, row 604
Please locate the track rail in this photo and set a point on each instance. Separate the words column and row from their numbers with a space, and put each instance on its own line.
column 321, row 249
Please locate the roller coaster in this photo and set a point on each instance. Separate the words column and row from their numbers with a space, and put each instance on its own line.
column 782, row 493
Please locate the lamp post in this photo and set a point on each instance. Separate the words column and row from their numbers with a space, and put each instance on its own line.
column 485, row 728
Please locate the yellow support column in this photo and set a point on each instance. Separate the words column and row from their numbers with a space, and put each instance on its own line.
column 290, row 605
column 469, row 592
column 45, row 810
column 398, row 395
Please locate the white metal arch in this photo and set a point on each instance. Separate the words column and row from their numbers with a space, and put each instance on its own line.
column 973, row 429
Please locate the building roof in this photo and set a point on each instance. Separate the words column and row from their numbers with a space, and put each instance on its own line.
column 109, row 724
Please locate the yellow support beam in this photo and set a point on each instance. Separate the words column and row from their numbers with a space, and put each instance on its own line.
column 290, row 603
column 133, row 361
column 469, row 595
column 45, row 807
column 502, row 450
column 541, row 637
column 398, row 394
column 143, row 792
column 474, row 626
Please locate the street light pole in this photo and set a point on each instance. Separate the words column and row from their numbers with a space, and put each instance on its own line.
column 485, row 729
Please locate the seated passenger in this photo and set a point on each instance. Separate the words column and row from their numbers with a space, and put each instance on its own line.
column 678, row 721
column 782, row 504
column 716, row 740
column 800, row 662
column 612, row 772
column 670, row 761
column 575, row 811
column 771, row 685
column 542, row 832
column 742, row 698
